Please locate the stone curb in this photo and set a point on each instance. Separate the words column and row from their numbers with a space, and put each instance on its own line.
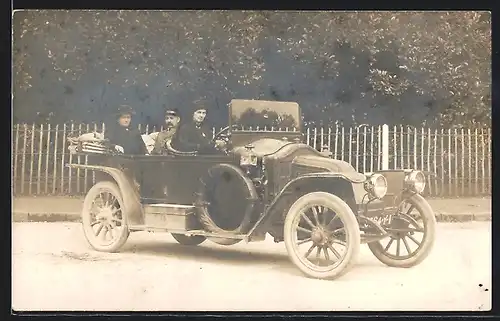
column 75, row 217
column 45, row 217
column 463, row 217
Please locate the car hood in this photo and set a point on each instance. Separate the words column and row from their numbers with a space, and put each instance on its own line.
column 299, row 154
column 324, row 163
column 265, row 147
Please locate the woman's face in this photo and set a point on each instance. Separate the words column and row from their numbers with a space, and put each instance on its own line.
column 125, row 120
column 199, row 115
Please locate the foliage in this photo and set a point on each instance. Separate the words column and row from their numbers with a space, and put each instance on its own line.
column 353, row 67
column 265, row 119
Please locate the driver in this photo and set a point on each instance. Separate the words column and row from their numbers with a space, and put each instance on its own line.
column 196, row 136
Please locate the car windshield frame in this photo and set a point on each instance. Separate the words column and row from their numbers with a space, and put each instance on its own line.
column 261, row 105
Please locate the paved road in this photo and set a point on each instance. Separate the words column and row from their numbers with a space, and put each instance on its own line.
column 53, row 269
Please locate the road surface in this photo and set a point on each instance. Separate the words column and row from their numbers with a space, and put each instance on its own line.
column 54, row 269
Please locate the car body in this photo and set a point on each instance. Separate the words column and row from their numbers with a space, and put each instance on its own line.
column 263, row 183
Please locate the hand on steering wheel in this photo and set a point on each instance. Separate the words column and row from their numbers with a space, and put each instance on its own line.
column 223, row 131
column 220, row 143
column 222, row 139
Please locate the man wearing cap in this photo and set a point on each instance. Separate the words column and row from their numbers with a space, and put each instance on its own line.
column 171, row 122
column 122, row 137
column 196, row 136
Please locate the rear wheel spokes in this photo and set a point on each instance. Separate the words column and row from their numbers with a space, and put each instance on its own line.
column 95, row 223
column 111, row 218
column 101, row 232
column 99, row 229
column 103, row 196
column 95, row 208
column 112, row 232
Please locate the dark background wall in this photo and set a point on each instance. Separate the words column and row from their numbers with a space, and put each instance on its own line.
column 354, row 68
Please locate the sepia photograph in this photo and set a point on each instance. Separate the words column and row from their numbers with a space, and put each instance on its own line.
column 251, row 160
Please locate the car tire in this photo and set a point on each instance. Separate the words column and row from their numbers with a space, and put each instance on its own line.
column 352, row 237
column 427, row 244
column 88, row 225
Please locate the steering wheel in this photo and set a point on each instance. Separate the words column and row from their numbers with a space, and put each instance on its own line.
column 222, row 132
column 223, row 135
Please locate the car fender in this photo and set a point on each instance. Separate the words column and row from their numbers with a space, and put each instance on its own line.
column 355, row 193
column 131, row 199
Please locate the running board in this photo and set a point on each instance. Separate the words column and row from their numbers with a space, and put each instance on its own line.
column 137, row 228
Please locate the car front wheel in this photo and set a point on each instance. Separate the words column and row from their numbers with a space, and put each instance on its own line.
column 322, row 235
column 411, row 234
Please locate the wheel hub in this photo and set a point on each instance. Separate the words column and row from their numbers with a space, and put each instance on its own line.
column 319, row 237
column 105, row 215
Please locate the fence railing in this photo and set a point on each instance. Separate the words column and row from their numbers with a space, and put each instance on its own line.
column 459, row 160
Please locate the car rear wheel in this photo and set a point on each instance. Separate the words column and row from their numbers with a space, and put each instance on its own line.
column 412, row 234
column 322, row 223
column 103, row 219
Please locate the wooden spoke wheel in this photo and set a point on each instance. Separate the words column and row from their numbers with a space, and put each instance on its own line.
column 103, row 220
column 322, row 235
column 411, row 234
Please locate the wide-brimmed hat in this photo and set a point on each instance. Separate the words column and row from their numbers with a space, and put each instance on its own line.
column 124, row 110
column 199, row 104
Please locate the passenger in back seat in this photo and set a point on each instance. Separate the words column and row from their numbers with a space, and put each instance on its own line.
column 171, row 123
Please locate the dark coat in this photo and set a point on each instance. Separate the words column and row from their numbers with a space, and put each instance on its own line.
column 190, row 137
column 128, row 138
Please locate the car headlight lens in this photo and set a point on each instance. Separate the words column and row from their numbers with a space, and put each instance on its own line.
column 376, row 185
column 415, row 180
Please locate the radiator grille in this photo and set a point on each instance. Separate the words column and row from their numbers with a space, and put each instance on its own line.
column 395, row 182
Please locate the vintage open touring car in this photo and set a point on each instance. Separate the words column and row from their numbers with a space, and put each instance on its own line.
column 264, row 182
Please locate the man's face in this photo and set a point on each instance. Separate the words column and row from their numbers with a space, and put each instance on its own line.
column 171, row 120
column 124, row 120
column 199, row 115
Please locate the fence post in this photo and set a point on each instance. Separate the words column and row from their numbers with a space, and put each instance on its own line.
column 385, row 147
